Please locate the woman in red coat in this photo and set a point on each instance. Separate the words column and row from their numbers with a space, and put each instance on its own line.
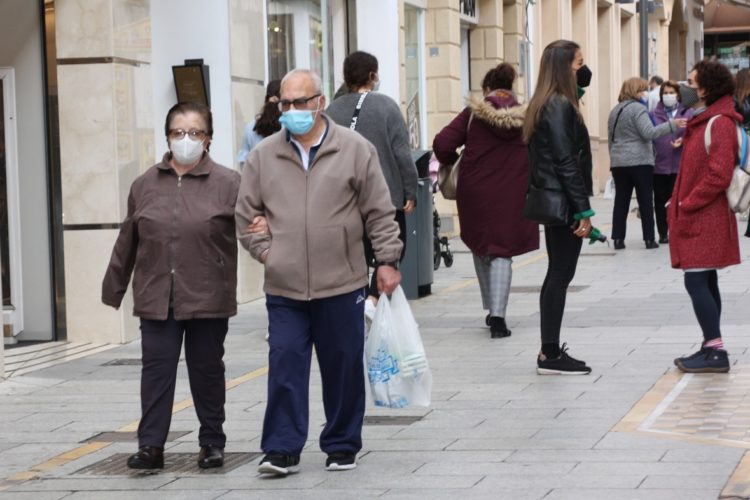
column 703, row 229
column 491, row 188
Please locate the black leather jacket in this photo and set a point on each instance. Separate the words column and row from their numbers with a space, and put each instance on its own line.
column 560, row 154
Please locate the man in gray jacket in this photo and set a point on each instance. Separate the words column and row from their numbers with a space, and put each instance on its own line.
column 314, row 183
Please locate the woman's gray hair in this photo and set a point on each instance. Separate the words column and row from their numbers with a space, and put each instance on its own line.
column 310, row 74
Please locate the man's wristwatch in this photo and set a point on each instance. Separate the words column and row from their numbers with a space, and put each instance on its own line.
column 393, row 264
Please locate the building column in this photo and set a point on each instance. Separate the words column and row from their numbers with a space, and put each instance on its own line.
column 607, row 80
column 514, row 25
column 106, row 141
column 443, row 74
column 486, row 42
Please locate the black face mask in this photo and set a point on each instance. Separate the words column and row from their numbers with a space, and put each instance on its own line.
column 583, row 76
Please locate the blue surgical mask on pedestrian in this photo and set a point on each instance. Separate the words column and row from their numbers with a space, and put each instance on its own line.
column 299, row 121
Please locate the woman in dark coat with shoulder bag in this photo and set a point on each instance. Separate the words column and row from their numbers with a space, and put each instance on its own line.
column 559, row 189
column 742, row 106
column 491, row 185
column 703, row 228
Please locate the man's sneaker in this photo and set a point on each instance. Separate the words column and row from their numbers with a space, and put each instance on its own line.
column 707, row 360
column 279, row 465
column 563, row 365
column 341, row 461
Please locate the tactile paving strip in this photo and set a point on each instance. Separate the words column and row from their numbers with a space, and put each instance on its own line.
column 125, row 437
column 706, row 406
column 174, row 463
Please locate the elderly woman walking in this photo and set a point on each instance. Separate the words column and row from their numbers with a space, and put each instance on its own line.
column 178, row 241
column 631, row 153
column 491, row 188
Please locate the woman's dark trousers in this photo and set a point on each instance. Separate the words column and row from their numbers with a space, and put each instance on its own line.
column 663, row 186
column 641, row 178
column 372, row 289
column 161, row 342
column 563, row 249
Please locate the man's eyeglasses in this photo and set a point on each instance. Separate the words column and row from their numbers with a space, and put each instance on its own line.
column 285, row 104
column 178, row 134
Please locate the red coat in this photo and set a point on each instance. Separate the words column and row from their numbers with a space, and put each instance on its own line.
column 493, row 177
column 702, row 228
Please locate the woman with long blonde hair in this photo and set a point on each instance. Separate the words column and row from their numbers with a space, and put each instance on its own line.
column 559, row 189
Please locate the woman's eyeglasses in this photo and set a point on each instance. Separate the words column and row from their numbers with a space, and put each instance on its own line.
column 285, row 104
column 178, row 134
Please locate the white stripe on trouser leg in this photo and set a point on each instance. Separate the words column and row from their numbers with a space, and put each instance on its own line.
column 494, row 277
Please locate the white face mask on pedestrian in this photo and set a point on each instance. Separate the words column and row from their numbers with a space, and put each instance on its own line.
column 669, row 100
column 186, row 151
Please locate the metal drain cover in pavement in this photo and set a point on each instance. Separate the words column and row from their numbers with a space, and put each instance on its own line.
column 123, row 362
column 174, row 463
column 598, row 254
column 391, row 420
column 537, row 289
column 124, row 437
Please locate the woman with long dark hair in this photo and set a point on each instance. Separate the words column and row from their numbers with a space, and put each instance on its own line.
column 266, row 122
column 559, row 188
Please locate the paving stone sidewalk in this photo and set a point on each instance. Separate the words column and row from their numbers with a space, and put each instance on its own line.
column 495, row 430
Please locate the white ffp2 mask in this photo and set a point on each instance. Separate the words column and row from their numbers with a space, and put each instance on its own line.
column 186, row 151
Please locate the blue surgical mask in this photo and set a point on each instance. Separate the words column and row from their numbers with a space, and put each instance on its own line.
column 297, row 121
column 644, row 100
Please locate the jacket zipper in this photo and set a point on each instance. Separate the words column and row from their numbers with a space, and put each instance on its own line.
column 307, row 241
column 172, row 242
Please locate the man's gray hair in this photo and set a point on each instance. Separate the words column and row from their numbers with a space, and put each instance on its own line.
column 311, row 74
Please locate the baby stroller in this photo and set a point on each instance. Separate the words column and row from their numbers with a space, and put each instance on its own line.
column 441, row 249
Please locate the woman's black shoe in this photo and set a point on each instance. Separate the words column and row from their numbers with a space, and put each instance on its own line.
column 619, row 244
column 651, row 244
column 663, row 240
column 498, row 329
column 487, row 320
column 210, row 456
column 147, row 458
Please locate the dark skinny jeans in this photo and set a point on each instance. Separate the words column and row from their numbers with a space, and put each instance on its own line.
column 563, row 249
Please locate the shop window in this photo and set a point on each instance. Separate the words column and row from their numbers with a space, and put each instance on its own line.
column 299, row 36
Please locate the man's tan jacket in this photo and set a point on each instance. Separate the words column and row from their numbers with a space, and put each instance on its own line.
column 316, row 217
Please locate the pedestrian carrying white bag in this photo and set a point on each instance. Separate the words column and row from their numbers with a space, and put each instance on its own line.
column 738, row 192
column 396, row 364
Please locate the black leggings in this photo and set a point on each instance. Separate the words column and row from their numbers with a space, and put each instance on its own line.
column 372, row 289
column 703, row 288
column 641, row 178
column 563, row 249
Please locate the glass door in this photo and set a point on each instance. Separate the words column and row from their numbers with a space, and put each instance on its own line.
column 10, row 242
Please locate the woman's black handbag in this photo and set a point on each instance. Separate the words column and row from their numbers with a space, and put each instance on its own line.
column 547, row 207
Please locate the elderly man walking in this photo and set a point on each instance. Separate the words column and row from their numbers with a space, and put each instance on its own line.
column 318, row 186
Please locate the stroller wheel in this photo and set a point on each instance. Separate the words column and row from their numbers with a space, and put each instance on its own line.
column 448, row 258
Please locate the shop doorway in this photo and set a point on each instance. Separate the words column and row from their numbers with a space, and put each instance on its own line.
column 10, row 233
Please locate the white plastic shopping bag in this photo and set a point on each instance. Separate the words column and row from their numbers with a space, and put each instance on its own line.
column 609, row 189
column 397, row 368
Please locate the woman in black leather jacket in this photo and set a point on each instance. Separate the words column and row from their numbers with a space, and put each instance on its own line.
column 559, row 189
column 742, row 105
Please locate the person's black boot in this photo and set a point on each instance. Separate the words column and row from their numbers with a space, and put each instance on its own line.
column 147, row 458
column 210, row 456
column 651, row 244
column 619, row 244
column 498, row 328
column 663, row 240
